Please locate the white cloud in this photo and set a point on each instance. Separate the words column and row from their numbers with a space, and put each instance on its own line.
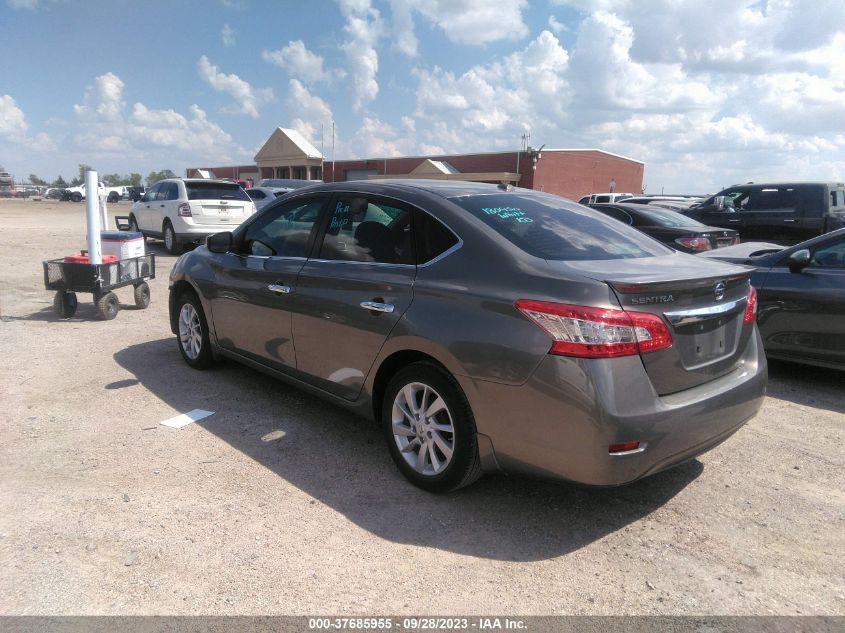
column 298, row 61
column 228, row 35
column 476, row 21
column 105, row 133
column 363, row 29
column 29, row 5
column 310, row 114
column 13, row 124
column 404, row 38
column 247, row 97
column 556, row 26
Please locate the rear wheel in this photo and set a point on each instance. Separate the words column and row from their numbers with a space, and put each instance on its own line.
column 171, row 243
column 76, row 197
column 65, row 304
column 193, row 340
column 113, row 197
column 108, row 306
column 430, row 429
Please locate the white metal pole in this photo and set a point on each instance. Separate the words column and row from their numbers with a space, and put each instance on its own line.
column 92, row 211
column 104, row 212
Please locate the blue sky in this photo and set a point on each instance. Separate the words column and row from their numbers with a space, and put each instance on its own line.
column 706, row 94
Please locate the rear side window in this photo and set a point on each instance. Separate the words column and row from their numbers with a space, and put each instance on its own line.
column 215, row 191
column 553, row 228
column 432, row 238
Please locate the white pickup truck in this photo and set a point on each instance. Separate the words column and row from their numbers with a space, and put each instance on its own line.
column 113, row 194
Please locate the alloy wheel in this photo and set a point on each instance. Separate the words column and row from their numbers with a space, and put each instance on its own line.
column 190, row 331
column 423, row 429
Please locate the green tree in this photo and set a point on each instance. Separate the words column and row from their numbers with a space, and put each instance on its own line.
column 35, row 180
column 59, row 182
column 113, row 180
column 80, row 179
column 135, row 179
column 155, row 176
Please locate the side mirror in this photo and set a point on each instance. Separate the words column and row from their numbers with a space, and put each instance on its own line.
column 219, row 242
column 799, row 260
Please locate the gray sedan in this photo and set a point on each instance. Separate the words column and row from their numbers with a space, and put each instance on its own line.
column 485, row 328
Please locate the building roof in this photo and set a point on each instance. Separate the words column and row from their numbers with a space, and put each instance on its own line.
column 285, row 143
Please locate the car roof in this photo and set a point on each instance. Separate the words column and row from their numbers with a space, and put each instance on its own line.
column 786, row 183
column 443, row 188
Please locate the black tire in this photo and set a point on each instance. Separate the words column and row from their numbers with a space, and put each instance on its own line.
column 65, row 304
column 76, row 197
column 192, row 332
column 142, row 296
column 107, row 306
column 171, row 242
column 133, row 226
column 464, row 465
column 113, row 197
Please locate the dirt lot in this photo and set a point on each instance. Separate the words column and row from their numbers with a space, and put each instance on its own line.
column 280, row 503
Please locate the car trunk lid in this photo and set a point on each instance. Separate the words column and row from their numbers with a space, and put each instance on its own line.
column 218, row 203
column 702, row 305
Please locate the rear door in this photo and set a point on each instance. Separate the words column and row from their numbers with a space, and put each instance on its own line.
column 770, row 213
column 354, row 290
column 221, row 205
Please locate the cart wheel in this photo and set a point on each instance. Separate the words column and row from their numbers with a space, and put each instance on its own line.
column 64, row 303
column 107, row 306
column 142, row 295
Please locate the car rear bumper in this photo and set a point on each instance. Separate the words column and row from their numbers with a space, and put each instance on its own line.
column 561, row 421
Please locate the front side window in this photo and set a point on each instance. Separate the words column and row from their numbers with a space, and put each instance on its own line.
column 365, row 229
column 830, row 256
column 552, row 228
column 284, row 231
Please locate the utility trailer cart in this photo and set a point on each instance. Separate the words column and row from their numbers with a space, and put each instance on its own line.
column 69, row 277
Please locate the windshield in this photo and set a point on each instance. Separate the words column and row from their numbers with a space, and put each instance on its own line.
column 553, row 228
column 215, row 191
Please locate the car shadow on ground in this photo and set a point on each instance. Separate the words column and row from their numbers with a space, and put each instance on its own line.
column 806, row 385
column 341, row 461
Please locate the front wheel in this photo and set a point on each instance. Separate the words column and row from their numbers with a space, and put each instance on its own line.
column 430, row 429
column 133, row 226
column 108, row 306
column 76, row 197
column 193, row 340
column 142, row 296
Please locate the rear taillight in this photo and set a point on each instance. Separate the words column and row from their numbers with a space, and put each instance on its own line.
column 695, row 243
column 185, row 210
column 750, row 306
column 589, row 332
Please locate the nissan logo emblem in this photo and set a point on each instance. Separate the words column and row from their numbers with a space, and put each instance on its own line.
column 719, row 290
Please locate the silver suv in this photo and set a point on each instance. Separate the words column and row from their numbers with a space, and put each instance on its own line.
column 187, row 210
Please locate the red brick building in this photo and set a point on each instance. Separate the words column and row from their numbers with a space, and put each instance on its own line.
column 571, row 173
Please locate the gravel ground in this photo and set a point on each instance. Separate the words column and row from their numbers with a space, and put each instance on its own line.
column 282, row 504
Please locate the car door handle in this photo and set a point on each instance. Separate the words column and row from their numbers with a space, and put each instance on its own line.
column 792, row 220
column 734, row 220
column 375, row 306
column 279, row 289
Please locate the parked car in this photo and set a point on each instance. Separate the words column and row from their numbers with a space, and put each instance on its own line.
column 262, row 196
column 670, row 227
column 486, row 328
column 55, row 193
column 187, row 210
column 287, row 183
column 801, row 292
column 598, row 198
column 135, row 193
column 787, row 212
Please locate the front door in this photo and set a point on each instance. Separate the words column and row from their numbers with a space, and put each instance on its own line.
column 256, row 284
column 801, row 313
column 354, row 290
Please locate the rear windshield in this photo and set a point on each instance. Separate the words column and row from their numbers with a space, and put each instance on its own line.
column 658, row 217
column 553, row 228
column 215, row 191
